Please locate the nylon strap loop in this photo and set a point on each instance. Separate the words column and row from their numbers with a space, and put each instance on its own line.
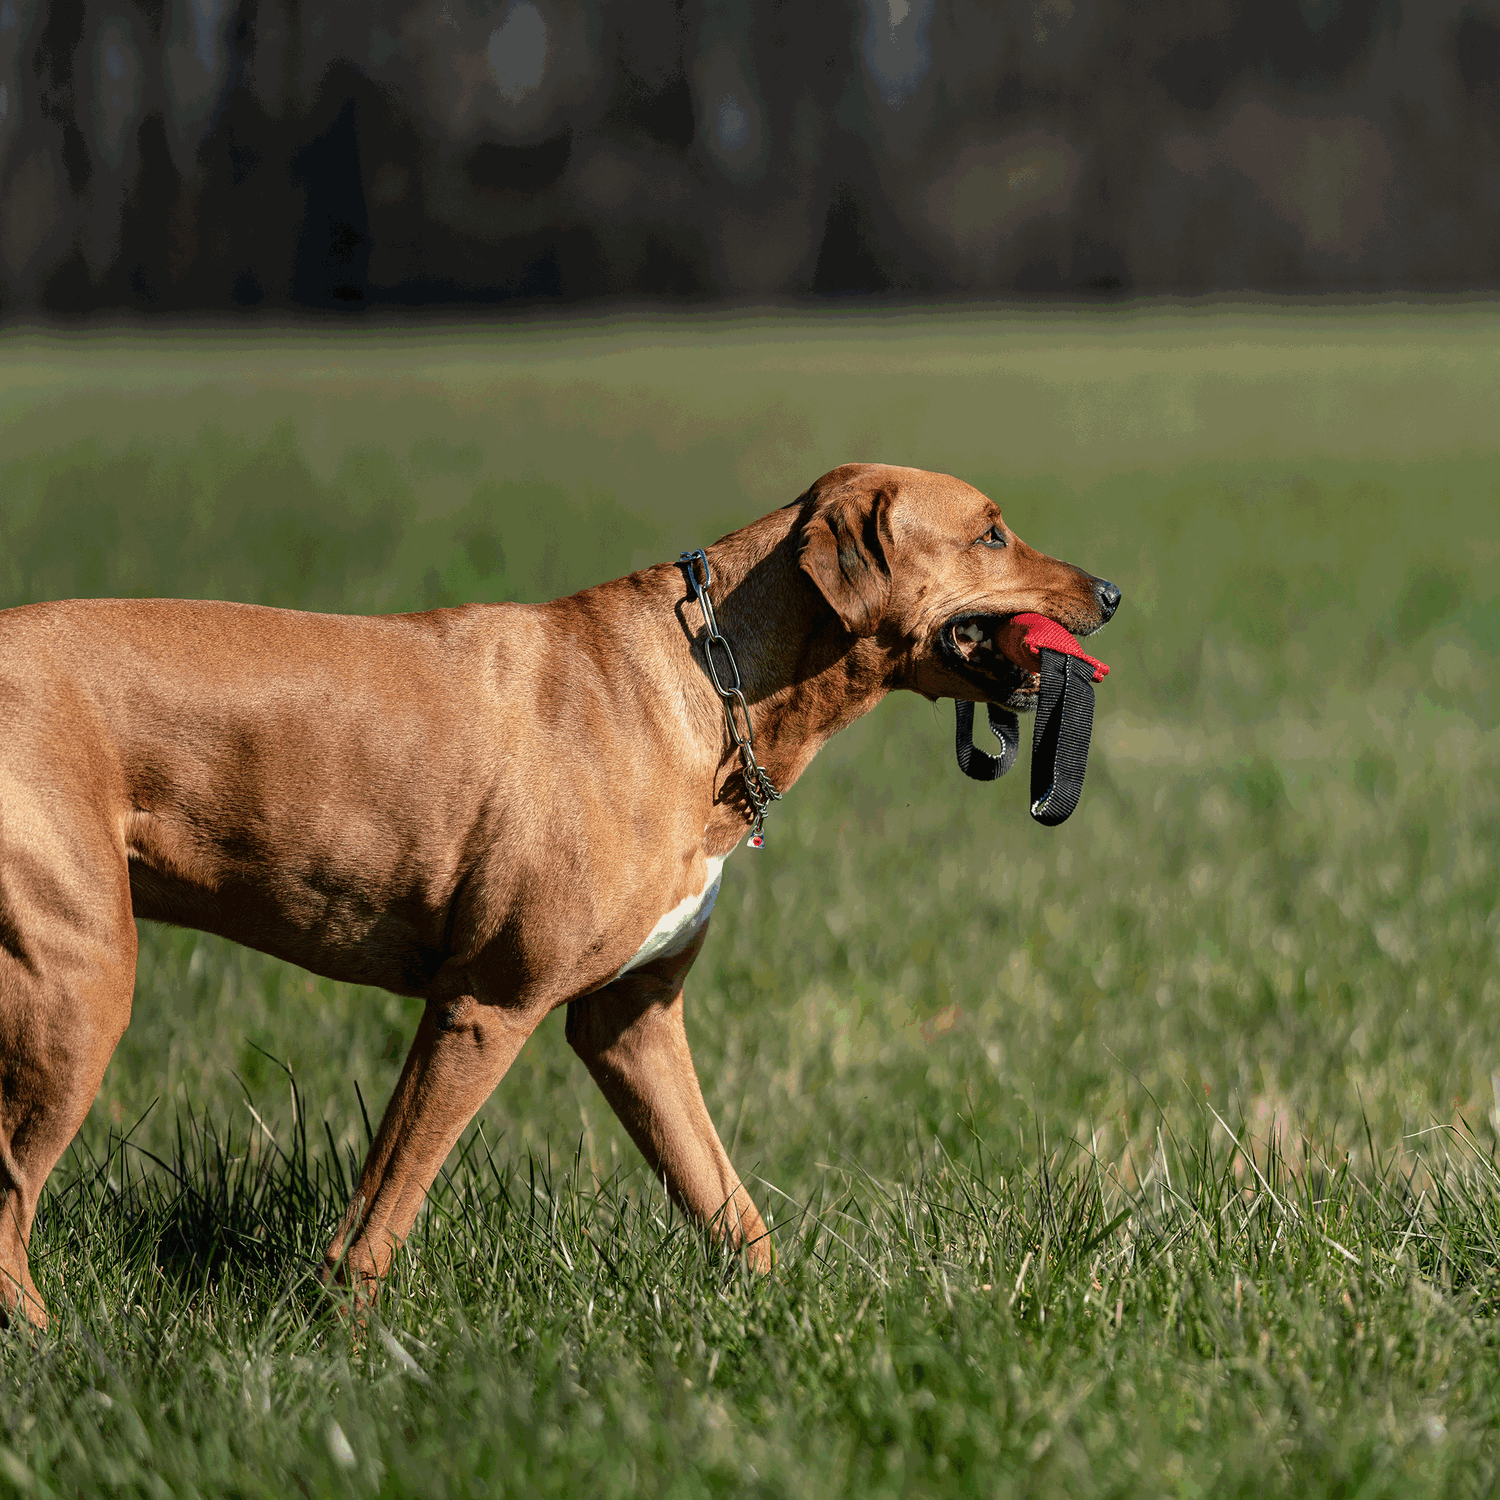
column 978, row 764
column 1060, row 744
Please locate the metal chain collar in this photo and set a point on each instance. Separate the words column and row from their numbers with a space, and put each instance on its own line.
column 758, row 786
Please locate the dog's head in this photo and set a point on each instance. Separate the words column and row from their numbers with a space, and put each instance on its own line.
column 925, row 566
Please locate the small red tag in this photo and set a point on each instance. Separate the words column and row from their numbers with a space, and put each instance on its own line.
column 757, row 841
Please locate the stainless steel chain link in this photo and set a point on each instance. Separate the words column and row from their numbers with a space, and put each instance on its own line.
column 725, row 676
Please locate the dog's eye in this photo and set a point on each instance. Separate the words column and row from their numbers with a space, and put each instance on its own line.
column 994, row 537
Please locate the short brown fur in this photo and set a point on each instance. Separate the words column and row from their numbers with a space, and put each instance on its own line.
column 487, row 807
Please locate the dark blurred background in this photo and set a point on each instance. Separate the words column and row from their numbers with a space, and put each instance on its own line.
column 182, row 155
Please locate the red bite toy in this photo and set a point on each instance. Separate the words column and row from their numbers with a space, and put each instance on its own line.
column 1064, row 721
column 1042, row 633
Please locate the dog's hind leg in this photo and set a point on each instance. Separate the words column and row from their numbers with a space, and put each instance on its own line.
column 65, row 992
column 632, row 1038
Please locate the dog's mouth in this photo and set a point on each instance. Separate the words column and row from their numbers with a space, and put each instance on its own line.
column 991, row 651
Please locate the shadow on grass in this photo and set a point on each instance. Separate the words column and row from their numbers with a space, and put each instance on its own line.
column 223, row 1204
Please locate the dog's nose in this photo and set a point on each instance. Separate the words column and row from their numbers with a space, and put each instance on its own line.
column 1109, row 598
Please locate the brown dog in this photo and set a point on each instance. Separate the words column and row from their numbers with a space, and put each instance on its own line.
column 499, row 808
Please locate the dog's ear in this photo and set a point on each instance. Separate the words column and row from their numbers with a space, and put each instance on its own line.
column 845, row 551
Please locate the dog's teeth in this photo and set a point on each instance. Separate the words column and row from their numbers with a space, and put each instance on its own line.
column 970, row 632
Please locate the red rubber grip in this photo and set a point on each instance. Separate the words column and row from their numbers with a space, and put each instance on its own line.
column 1042, row 632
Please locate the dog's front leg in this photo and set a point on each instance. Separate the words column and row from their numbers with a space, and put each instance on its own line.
column 631, row 1036
column 462, row 1050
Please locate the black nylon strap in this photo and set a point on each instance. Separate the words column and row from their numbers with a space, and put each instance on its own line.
column 974, row 762
column 1060, row 744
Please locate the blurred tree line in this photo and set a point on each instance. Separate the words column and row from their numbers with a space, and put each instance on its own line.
column 180, row 155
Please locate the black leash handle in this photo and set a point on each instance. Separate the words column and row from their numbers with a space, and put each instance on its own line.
column 978, row 764
column 1060, row 744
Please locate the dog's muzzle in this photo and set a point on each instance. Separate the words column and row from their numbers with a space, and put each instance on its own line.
column 1064, row 722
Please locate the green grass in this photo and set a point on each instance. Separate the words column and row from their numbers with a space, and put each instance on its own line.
column 1151, row 1155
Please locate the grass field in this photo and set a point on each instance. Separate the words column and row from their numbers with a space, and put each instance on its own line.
column 1154, row 1155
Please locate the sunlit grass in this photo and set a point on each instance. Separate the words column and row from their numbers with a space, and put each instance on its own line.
column 1241, row 1315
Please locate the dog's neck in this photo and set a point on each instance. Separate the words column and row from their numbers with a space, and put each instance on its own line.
column 804, row 675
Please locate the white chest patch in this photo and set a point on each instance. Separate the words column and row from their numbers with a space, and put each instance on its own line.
column 678, row 927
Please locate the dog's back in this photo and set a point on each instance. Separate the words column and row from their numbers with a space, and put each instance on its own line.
column 265, row 772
